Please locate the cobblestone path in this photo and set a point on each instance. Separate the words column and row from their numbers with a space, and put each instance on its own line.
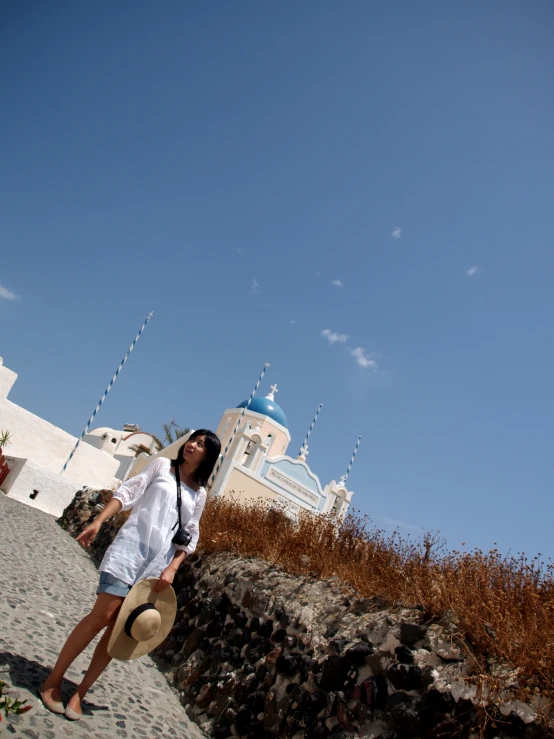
column 47, row 584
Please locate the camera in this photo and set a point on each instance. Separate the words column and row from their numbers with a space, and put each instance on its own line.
column 182, row 537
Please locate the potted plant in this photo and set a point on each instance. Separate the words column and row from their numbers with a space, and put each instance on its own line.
column 5, row 439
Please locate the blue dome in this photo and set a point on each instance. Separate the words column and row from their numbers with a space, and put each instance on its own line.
column 266, row 407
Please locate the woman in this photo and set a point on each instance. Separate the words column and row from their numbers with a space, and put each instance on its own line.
column 143, row 548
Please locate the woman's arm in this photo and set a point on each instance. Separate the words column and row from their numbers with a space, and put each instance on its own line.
column 124, row 498
column 88, row 534
column 168, row 575
column 130, row 491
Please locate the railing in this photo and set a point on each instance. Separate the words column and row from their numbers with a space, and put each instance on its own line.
column 4, row 469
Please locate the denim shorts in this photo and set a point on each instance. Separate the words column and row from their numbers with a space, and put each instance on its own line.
column 110, row 584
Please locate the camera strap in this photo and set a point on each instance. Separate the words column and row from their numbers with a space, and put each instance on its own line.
column 178, row 479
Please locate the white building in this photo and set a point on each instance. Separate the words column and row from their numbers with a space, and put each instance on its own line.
column 124, row 446
column 38, row 451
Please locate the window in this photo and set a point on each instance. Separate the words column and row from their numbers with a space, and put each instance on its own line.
column 251, row 451
column 337, row 505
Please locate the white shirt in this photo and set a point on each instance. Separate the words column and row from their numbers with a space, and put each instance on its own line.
column 143, row 546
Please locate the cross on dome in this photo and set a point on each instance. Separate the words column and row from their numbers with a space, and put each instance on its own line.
column 272, row 391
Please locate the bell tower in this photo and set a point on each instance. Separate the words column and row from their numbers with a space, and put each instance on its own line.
column 262, row 432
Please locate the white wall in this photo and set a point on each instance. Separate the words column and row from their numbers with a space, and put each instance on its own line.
column 54, row 491
column 126, row 463
column 7, row 379
column 47, row 445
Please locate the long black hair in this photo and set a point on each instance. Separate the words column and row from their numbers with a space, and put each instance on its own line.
column 202, row 473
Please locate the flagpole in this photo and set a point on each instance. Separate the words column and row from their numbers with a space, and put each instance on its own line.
column 304, row 448
column 106, row 391
column 345, row 477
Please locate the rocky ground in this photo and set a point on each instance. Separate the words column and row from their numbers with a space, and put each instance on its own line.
column 47, row 585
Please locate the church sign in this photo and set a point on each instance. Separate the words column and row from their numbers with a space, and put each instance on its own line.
column 287, row 483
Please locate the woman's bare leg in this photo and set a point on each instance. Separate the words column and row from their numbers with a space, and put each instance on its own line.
column 103, row 613
column 100, row 660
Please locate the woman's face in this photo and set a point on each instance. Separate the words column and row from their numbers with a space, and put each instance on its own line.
column 195, row 451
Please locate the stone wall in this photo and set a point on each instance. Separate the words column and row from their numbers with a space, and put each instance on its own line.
column 258, row 653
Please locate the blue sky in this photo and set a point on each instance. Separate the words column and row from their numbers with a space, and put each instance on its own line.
column 224, row 164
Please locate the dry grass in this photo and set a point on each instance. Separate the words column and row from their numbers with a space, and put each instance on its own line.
column 503, row 606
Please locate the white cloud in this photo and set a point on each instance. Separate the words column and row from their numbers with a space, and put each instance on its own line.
column 255, row 286
column 396, row 232
column 291, row 322
column 365, row 360
column 7, row 294
column 333, row 337
column 362, row 358
column 337, row 283
column 473, row 271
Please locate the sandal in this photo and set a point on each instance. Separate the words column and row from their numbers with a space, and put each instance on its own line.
column 52, row 706
column 72, row 715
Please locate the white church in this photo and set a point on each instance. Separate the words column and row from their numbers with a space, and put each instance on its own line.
column 255, row 465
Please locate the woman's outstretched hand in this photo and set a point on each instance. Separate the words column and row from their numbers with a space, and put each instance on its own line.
column 88, row 534
column 165, row 579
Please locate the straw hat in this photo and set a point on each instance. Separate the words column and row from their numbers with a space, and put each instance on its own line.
column 143, row 622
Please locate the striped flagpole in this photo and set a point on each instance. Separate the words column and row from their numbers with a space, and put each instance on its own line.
column 256, row 386
column 107, row 390
column 345, row 477
column 304, row 447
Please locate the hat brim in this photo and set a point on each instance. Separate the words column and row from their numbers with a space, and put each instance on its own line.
column 123, row 647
